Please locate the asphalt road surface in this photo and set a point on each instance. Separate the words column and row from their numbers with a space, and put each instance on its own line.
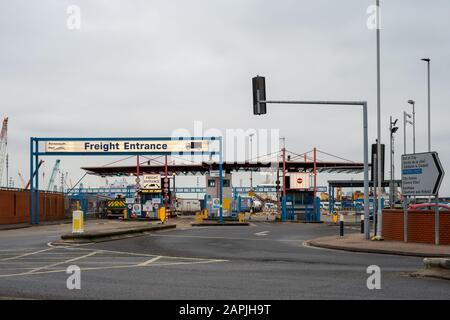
column 262, row 261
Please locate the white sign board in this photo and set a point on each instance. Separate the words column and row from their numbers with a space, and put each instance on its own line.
column 214, row 173
column 422, row 174
column 152, row 181
column 137, row 209
column 156, row 200
column 300, row 180
column 114, row 146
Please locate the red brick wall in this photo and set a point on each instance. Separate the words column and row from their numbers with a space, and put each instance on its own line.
column 420, row 226
column 15, row 205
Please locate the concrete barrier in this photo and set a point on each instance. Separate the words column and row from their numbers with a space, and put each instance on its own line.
column 108, row 235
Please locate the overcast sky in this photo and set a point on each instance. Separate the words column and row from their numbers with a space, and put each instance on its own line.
column 147, row 68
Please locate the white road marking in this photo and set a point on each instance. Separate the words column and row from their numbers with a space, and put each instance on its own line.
column 25, row 254
column 262, row 233
column 227, row 238
column 114, row 267
column 63, row 262
column 146, row 263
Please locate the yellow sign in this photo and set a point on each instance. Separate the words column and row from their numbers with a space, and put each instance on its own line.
column 151, row 190
column 116, row 203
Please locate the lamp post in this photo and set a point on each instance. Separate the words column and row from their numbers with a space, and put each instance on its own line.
column 251, row 156
column 406, row 116
column 413, row 103
column 378, row 173
column 174, row 189
column 428, row 60
column 392, row 129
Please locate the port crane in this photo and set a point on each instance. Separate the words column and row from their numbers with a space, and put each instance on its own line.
column 51, row 182
column 3, row 145
column 22, row 180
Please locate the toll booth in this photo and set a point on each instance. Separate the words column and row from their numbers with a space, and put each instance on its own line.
column 212, row 194
column 300, row 205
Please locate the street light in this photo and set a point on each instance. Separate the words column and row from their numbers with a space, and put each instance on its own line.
column 428, row 60
column 251, row 156
column 392, row 129
column 378, row 173
column 413, row 103
column 406, row 116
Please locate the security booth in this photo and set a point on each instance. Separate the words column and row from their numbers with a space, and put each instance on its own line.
column 212, row 193
column 300, row 203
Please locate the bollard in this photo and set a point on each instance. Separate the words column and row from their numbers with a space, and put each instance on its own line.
column 77, row 221
column 341, row 225
column 362, row 223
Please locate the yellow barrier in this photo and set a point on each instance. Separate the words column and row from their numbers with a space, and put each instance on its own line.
column 198, row 217
column 335, row 217
column 162, row 214
column 77, row 222
column 241, row 217
column 205, row 213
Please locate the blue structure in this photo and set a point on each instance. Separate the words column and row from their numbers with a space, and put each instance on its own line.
column 108, row 147
column 300, row 206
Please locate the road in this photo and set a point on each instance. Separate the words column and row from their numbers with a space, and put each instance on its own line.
column 261, row 261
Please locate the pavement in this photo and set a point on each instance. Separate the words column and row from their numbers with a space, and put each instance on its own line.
column 357, row 243
column 262, row 261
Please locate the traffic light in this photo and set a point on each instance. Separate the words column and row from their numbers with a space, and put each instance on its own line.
column 259, row 91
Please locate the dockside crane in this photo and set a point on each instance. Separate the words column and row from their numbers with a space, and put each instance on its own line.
column 51, row 182
column 27, row 185
column 3, row 145
column 22, row 180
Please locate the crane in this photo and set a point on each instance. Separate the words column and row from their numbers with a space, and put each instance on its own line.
column 3, row 145
column 27, row 185
column 22, row 180
column 53, row 175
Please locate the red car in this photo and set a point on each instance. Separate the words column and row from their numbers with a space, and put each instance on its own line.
column 430, row 206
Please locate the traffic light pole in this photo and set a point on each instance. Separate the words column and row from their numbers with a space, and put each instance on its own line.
column 363, row 104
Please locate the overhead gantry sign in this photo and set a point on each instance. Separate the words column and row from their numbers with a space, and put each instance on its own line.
column 117, row 146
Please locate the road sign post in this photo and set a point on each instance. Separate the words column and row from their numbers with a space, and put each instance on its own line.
column 422, row 175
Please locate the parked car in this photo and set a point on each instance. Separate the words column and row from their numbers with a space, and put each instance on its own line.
column 430, row 206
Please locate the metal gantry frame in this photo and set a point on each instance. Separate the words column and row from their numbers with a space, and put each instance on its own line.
column 35, row 153
column 362, row 104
